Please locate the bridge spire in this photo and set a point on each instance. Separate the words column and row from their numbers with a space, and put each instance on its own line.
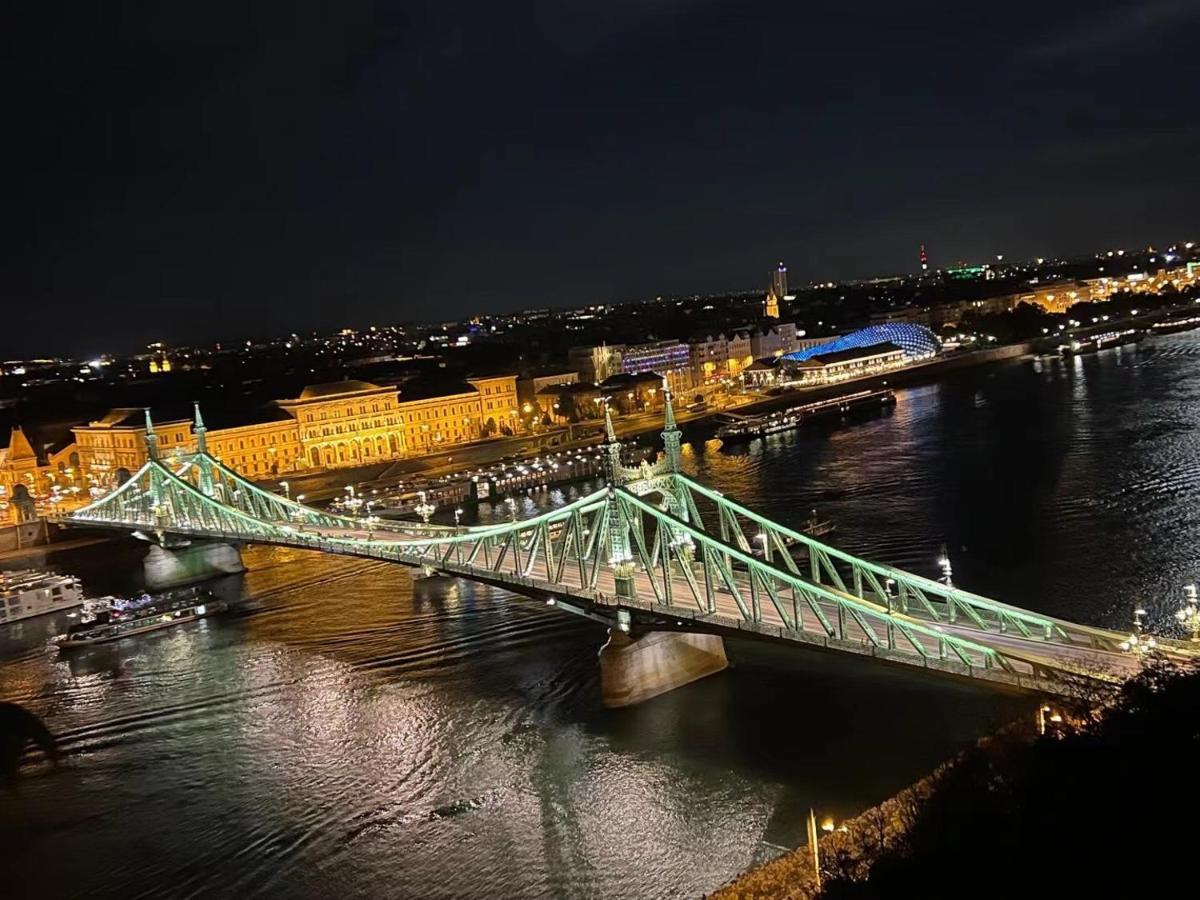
column 612, row 448
column 670, row 435
column 200, row 431
column 151, row 437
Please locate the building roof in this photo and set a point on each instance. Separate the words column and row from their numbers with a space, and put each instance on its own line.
column 19, row 446
column 840, row 356
column 420, row 389
column 217, row 418
column 135, row 417
column 337, row 389
column 913, row 339
column 762, row 365
column 627, row 380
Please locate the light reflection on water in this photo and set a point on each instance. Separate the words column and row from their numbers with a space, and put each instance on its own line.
column 351, row 733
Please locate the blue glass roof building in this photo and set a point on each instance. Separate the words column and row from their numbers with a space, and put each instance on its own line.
column 916, row 341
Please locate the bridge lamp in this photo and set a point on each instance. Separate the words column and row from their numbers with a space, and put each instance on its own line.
column 287, row 490
column 1138, row 642
column 1189, row 615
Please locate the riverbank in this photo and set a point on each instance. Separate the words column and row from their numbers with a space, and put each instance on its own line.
column 325, row 485
column 848, row 852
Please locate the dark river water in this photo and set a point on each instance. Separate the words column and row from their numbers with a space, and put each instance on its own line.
column 350, row 733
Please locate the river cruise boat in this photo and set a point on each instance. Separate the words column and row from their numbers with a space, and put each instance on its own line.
column 112, row 618
column 29, row 592
column 1172, row 326
column 1102, row 341
column 747, row 427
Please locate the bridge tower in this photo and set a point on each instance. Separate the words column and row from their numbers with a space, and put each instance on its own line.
column 670, row 435
column 620, row 554
column 612, row 450
column 156, row 497
column 201, row 432
column 151, row 437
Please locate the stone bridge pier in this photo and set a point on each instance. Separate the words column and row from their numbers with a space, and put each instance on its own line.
column 173, row 566
column 635, row 668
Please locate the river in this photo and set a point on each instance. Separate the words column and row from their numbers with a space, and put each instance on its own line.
column 348, row 732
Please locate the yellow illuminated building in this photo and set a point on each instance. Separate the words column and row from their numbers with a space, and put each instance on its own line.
column 347, row 423
column 118, row 441
column 498, row 408
column 433, row 422
column 261, row 449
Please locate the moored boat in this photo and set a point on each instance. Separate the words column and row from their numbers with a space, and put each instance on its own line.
column 746, row 427
column 1099, row 342
column 31, row 592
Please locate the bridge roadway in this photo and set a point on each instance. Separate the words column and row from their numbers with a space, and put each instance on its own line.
column 1037, row 664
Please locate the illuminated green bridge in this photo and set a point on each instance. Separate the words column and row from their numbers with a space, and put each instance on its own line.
column 653, row 554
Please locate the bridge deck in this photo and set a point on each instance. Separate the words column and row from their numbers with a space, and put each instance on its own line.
column 1034, row 658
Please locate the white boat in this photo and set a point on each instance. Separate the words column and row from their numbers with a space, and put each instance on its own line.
column 28, row 593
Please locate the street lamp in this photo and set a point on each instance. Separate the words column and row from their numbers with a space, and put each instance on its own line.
column 762, row 538
column 1138, row 642
column 424, row 509
column 287, row 490
column 1189, row 614
column 458, row 517
column 944, row 564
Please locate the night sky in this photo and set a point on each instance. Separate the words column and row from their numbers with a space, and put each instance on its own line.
column 198, row 171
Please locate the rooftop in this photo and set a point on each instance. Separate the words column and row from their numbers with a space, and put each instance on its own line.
column 840, row 356
column 338, row 389
column 420, row 389
column 135, row 417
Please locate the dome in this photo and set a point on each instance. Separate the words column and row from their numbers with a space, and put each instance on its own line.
column 915, row 340
column 336, row 388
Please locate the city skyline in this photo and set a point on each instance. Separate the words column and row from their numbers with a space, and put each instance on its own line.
column 176, row 175
column 355, row 322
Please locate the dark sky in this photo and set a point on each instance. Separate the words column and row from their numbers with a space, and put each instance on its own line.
column 198, row 170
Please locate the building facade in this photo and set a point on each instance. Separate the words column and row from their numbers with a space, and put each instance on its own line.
column 431, row 423
column 118, row 441
column 499, row 408
column 774, row 340
column 347, row 423
column 595, row 364
column 344, row 423
column 839, row 365
column 260, row 449
column 721, row 357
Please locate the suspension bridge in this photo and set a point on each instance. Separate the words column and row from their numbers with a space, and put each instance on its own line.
column 652, row 552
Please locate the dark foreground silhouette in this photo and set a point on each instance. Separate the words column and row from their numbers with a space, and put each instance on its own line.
column 1109, row 807
column 18, row 729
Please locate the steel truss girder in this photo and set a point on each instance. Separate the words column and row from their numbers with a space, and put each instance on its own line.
column 721, row 554
column 947, row 603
